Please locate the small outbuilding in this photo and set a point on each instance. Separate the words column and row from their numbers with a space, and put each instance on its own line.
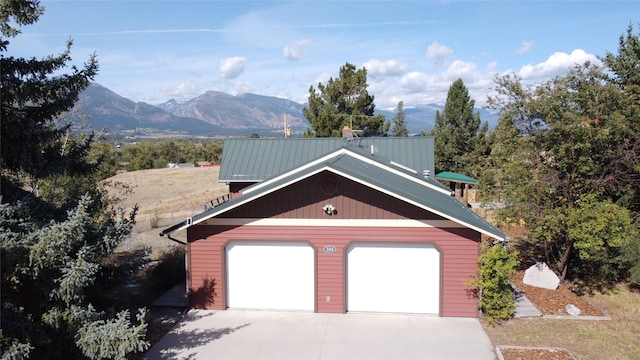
column 324, row 225
column 459, row 183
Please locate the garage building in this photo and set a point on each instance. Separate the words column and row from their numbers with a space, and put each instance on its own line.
column 323, row 225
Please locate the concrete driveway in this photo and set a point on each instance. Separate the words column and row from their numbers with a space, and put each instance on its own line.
column 237, row 335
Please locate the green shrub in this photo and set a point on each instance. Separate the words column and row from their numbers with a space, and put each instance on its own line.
column 493, row 282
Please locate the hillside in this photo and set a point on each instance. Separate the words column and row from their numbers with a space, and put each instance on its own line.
column 168, row 195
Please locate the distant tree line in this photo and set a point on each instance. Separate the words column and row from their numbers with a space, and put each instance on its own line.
column 157, row 154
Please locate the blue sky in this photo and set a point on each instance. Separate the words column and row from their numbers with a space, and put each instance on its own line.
column 153, row 51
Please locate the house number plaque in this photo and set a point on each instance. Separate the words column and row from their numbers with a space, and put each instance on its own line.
column 329, row 249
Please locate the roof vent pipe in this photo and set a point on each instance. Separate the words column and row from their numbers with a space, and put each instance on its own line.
column 372, row 150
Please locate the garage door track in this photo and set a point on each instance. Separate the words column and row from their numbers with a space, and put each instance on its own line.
column 238, row 335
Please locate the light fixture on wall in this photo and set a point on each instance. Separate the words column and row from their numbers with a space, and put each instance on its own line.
column 329, row 209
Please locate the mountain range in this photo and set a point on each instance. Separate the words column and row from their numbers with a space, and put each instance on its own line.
column 219, row 114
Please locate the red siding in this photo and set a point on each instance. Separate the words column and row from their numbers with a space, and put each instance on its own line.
column 458, row 250
column 330, row 277
column 206, row 270
column 305, row 199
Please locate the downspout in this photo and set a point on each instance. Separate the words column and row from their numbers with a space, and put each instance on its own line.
column 174, row 239
column 168, row 231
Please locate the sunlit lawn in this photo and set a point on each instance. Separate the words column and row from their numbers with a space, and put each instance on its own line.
column 618, row 338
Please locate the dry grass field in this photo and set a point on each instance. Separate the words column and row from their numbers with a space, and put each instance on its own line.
column 164, row 197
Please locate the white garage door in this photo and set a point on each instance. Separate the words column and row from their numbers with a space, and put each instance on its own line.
column 393, row 278
column 270, row 276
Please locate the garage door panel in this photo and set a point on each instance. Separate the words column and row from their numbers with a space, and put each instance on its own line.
column 270, row 276
column 393, row 278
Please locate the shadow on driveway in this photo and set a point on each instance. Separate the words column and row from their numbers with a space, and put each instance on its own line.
column 188, row 335
column 281, row 335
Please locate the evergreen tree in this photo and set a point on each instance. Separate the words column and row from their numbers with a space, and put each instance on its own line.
column 460, row 137
column 625, row 162
column 399, row 122
column 52, row 243
column 626, row 64
column 343, row 101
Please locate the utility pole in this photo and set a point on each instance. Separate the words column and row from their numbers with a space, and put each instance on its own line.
column 287, row 129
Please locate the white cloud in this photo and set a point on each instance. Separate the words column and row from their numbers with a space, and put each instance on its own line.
column 460, row 69
column 437, row 52
column 295, row 51
column 377, row 68
column 415, row 82
column 556, row 64
column 526, row 47
column 479, row 82
column 418, row 81
column 416, row 88
column 242, row 87
column 323, row 78
column 231, row 68
column 185, row 90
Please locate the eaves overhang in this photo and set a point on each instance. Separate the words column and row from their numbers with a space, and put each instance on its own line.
column 373, row 173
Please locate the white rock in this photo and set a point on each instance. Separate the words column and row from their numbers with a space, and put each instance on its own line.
column 539, row 275
column 572, row 310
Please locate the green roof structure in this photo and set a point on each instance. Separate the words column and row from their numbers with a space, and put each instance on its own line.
column 455, row 177
column 255, row 160
column 359, row 165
